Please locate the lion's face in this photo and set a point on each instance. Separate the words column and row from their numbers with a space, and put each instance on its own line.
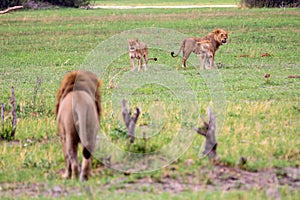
column 133, row 44
column 221, row 36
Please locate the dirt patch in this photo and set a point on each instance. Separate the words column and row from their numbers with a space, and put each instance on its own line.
column 219, row 178
column 35, row 190
column 185, row 15
column 227, row 178
column 124, row 17
column 163, row 7
column 222, row 178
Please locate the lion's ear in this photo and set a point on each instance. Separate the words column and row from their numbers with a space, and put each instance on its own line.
column 136, row 39
column 217, row 31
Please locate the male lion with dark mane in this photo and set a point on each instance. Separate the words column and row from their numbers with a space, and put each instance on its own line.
column 205, row 47
column 78, row 111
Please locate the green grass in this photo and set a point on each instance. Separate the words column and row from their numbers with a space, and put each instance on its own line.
column 262, row 115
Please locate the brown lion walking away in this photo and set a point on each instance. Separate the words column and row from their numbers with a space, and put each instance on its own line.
column 78, row 111
column 138, row 50
column 205, row 47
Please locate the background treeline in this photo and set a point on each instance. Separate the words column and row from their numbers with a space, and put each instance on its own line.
column 35, row 3
column 77, row 3
column 270, row 3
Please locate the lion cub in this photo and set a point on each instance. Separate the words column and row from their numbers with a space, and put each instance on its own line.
column 138, row 50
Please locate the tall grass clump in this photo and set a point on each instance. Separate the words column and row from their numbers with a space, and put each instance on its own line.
column 8, row 130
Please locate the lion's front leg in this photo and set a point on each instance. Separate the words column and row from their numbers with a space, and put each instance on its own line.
column 211, row 62
column 132, row 63
column 201, row 60
column 140, row 63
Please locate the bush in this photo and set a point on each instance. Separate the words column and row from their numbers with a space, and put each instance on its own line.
column 270, row 3
column 9, row 3
column 68, row 3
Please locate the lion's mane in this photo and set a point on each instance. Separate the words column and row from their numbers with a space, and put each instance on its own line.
column 79, row 80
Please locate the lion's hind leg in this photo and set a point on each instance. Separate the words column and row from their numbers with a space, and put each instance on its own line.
column 68, row 171
column 140, row 60
column 71, row 148
column 186, row 55
column 88, row 142
column 86, row 165
column 63, row 138
column 146, row 62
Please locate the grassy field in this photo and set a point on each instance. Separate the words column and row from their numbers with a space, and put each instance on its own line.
column 260, row 119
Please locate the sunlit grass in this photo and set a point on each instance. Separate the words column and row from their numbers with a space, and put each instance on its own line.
column 261, row 132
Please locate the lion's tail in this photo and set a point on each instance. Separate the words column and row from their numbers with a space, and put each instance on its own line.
column 87, row 132
column 86, row 117
column 155, row 59
column 175, row 55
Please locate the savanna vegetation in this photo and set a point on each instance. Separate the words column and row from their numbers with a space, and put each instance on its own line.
column 259, row 120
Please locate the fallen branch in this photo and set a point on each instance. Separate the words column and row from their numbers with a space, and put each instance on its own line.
column 130, row 121
column 10, row 9
column 208, row 131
